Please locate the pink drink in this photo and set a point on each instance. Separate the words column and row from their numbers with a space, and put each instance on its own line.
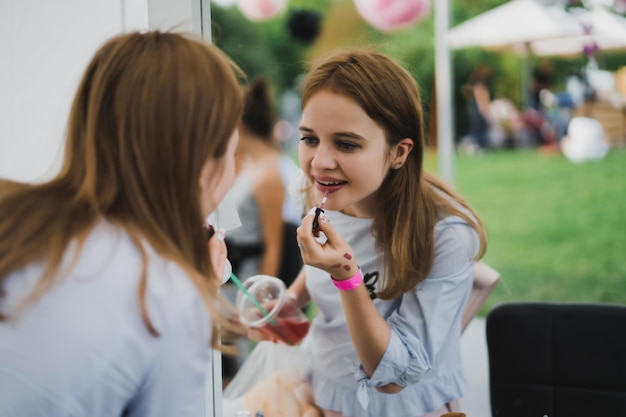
column 289, row 331
column 271, row 310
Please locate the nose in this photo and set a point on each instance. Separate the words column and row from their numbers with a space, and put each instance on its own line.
column 323, row 159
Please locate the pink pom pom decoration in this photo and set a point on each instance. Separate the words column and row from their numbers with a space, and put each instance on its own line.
column 259, row 10
column 392, row 15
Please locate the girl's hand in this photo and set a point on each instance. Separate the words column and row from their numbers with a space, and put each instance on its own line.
column 334, row 256
column 217, row 254
column 257, row 333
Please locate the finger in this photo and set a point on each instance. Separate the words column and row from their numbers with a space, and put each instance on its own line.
column 218, row 252
column 256, row 334
column 328, row 229
column 305, row 232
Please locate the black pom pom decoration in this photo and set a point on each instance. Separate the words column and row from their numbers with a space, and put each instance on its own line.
column 304, row 25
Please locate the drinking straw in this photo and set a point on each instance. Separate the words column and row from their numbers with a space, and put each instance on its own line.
column 258, row 305
column 251, row 297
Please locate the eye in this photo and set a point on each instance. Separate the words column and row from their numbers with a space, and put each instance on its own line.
column 346, row 146
column 308, row 140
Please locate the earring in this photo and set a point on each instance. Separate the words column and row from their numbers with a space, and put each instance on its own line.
column 397, row 166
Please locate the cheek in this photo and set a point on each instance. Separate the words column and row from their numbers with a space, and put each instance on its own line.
column 368, row 172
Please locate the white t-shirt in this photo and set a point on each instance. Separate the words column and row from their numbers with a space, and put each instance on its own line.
column 83, row 349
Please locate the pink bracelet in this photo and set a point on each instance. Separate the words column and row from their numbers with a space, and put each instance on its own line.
column 350, row 283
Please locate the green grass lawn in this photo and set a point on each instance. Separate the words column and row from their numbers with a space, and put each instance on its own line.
column 557, row 230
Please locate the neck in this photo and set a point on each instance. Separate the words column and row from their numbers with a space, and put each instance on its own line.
column 257, row 149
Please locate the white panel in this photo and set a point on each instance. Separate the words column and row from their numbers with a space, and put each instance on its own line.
column 46, row 46
column 135, row 15
column 171, row 15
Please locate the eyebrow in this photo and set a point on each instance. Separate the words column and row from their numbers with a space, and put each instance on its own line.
column 350, row 135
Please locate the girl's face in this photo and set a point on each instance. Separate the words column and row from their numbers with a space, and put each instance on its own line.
column 343, row 151
column 217, row 177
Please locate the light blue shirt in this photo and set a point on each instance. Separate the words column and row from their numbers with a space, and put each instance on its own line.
column 423, row 354
column 83, row 349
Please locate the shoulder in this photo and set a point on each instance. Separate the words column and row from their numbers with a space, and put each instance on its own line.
column 267, row 173
column 456, row 247
column 454, row 230
column 270, row 174
column 171, row 297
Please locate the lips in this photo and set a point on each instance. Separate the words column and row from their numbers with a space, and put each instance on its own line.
column 329, row 184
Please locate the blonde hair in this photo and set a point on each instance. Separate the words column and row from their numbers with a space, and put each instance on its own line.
column 150, row 110
column 410, row 199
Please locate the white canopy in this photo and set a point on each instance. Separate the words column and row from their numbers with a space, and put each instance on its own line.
column 514, row 25
column 606, row 29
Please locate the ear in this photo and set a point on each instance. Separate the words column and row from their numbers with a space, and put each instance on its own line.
column 400, row 152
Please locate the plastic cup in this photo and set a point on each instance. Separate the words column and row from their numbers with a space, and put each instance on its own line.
column 284, row 320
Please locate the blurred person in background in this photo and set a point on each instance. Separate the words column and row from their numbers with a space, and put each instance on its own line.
column 478, row 98
column 259, row 190
column 539, row 131
column 108, row 292
column 266, row 241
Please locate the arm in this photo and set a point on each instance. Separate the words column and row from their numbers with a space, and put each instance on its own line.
column 370, row 337
column 269, row 193
column 398, row 350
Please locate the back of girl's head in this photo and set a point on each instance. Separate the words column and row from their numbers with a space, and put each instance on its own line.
column 258, row 111
column 151, row 109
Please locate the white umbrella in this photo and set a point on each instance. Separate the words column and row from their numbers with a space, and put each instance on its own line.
column 514, row 25
column 605, row 29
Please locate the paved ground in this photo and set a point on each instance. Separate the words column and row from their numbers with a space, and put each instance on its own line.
column 474, row 351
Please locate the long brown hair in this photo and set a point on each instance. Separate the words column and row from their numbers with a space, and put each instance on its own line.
column 150, row 110
column 410, row 200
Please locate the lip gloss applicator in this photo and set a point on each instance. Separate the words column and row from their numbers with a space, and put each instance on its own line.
column 319, row 210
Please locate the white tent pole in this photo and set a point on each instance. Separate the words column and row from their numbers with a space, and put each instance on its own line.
column 525, row 64
column 205, row 19
column 525, row 85
column 443, row 82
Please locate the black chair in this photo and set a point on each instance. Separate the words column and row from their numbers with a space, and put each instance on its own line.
column 557, row 359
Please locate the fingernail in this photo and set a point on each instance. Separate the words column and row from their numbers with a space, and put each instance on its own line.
column 312, row 211
column 323, row 218
column 210, row 230
column 221, row 234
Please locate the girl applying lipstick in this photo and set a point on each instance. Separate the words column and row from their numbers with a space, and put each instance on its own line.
column 392, row 278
